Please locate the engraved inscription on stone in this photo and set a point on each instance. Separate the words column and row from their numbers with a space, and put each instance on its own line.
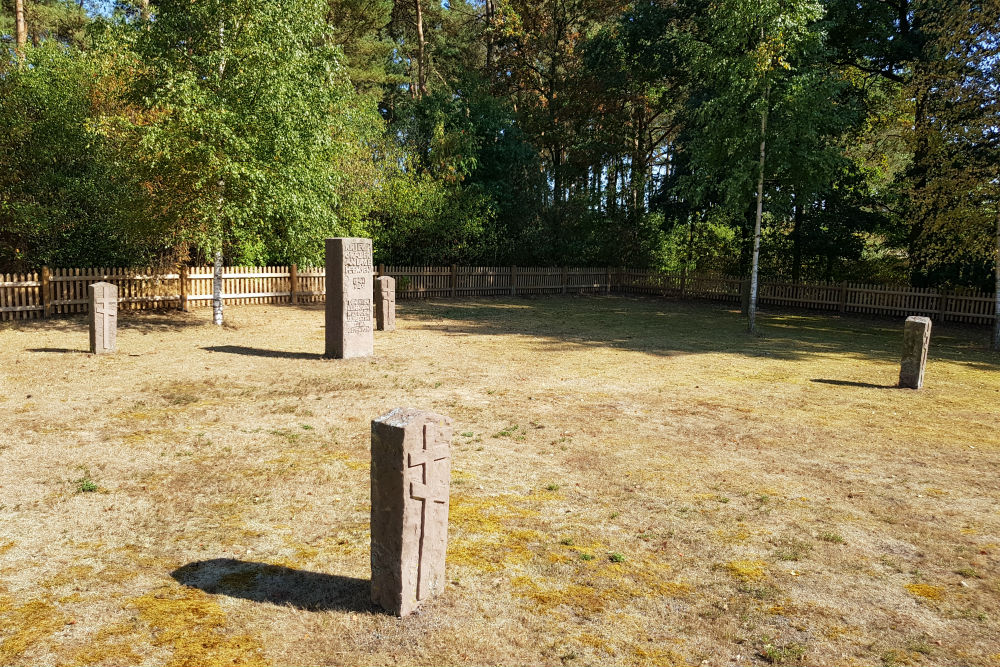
column 916, row 341
column 349, row 277
column 410, row 476
column 103, row 317
column 385, row 303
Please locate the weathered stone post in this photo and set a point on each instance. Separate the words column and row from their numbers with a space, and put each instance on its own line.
column 916, row 340
column 103, row 317
column 385, row 303
column 410, row 479
column 349, row 270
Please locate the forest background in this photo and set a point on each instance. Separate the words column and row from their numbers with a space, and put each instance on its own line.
column 863, row 135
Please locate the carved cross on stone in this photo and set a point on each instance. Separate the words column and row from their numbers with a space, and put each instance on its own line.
column 385, row 303
column 107, row 310
column 430, row 486
column 103, row 317
column 410, row 475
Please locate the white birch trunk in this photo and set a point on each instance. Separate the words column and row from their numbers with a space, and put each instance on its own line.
column 217, row 273
column 421, row 74
column 217, row 290
column 752, row 308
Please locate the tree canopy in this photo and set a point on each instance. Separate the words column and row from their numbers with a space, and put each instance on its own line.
column 507, row 132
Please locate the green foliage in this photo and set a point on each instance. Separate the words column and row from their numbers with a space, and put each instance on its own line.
column 62, row 21
column 506, row 132
column 85, row 484
column 61, row 198
column 233, row 115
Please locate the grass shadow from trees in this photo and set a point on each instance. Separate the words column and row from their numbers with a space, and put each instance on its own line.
column 667, row 328
column 141, row 321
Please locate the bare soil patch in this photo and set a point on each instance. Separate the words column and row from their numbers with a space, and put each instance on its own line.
column 635, row 482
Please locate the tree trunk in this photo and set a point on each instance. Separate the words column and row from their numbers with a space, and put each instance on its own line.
column 611, row 193
column 797, row 241
column 217, row 273
column 421, row 75
column 144, row 10
column 20, row 29
column 637, row 175
column 752, row 309
column 217, row 290
column 918, row 176
column 489, row 39
column 996, row 286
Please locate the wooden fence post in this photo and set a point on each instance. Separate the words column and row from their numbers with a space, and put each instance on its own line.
column 943, row 308
column 44, row 293
column 454, row 280
column 842, row 300
column 293, row 283
column 513, row 281
column 607, row 280
column 182, row 272
column 684, row 277
column 564, row 281
column 381, row 270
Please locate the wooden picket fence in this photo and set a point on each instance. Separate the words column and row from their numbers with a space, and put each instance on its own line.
column 59, row 291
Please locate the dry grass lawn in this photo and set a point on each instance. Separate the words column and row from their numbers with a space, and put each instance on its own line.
column 636, row 482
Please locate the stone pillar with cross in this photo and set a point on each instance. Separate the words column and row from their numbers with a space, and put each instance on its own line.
column 103, row 317
column 410, row 480
column 916, row 339
column 385, row 303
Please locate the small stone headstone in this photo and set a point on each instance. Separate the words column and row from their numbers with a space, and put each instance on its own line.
column 103, row 317
column 349, row 274
column 385, row 303
column 410, row 479
column 916, row 340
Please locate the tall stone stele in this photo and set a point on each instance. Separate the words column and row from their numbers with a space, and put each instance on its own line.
column 349, row 274
column 916, row 340
column 385, row 303
column 103, row 317
column 410, row 479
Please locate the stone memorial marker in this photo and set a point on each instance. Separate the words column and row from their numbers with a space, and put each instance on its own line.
column 385, row 303
column 410, row 479
column 916, row 339
column 103, row 317
column 349, row 287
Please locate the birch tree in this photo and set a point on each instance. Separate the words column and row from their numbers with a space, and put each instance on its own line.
column 237, row 108
column 746, row 58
